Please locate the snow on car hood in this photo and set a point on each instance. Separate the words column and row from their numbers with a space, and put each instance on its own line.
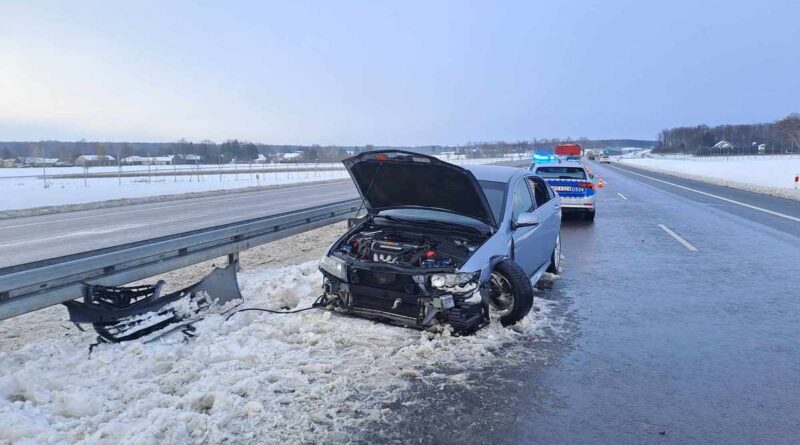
column 313, row 377
column 393, row 178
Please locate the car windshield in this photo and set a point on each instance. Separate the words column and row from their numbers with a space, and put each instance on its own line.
column 433, row 216
column 496, row 195
column 561, row 172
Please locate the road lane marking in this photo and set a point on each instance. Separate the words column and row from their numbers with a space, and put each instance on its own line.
column 732, row 201
column 678, row 238
column 622, row 196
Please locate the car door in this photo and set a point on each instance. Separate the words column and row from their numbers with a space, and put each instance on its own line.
column 548, row 213
column 526, row 252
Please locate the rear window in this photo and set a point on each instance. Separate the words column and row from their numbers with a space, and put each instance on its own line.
column 553, row 172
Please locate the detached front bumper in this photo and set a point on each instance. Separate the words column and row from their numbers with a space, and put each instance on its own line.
column 403, row 299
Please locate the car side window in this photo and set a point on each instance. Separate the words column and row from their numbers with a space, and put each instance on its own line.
column 551, row 192
column 539, row 190
column 522, row 201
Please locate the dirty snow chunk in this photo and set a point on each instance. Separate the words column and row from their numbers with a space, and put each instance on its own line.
column 308, row 377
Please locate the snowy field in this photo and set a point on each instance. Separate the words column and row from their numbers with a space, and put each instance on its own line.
column 29, row 192
column 24, row 188
column 313, row 377
column 772, row 175
column 143, row 169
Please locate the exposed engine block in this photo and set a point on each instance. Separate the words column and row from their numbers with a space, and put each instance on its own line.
column 407, row 249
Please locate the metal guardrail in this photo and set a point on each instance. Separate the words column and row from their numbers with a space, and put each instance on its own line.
column 32, row 286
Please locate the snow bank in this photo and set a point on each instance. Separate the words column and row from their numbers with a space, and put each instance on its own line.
column 773, row 176
column 310, row 377
column 29, row 192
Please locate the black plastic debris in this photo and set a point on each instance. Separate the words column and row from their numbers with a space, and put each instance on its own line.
column 129, row 312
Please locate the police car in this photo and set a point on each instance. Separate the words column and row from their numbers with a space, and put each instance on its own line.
column 574, row 184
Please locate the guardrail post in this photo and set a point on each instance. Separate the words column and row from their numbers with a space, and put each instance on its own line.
column 233, row 258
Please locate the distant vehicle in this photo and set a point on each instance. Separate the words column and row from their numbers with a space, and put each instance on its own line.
column 442, row 244
column 574, row 184
column 604, row 159
column 571, row 150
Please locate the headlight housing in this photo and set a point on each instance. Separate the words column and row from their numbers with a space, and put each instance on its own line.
column 334, row 266
column 457, row 283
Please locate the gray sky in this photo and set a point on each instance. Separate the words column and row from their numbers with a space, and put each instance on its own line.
column 391, row 73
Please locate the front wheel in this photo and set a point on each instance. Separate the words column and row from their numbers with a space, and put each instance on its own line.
column 510, row 292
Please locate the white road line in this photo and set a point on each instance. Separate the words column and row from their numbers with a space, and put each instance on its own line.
column 678, row 238
column 622, row 196
column 760, row 209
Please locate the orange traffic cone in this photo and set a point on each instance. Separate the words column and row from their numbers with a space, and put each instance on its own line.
column 600, row 183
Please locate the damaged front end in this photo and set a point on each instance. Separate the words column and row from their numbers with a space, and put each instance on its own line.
column 406, row 278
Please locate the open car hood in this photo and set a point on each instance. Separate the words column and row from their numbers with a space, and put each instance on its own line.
column 393, row 179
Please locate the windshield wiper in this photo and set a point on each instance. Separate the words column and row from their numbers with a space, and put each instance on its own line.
column 429, row 222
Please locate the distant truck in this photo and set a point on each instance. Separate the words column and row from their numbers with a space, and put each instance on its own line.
column 569, row 150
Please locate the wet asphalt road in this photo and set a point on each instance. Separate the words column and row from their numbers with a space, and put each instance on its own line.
column 35, row 238
column 663, row 345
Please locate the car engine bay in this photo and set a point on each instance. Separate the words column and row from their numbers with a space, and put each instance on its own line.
column 408, row 249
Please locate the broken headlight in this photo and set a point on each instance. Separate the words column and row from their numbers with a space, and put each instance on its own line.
column 459, row 283
column 334, row 266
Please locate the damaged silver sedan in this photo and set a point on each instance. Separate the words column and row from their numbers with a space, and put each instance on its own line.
column 442, row 244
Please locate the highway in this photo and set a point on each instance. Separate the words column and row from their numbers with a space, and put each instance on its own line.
column 34, row 238
column 27, row 239
column 681, row 326
column 678, row 311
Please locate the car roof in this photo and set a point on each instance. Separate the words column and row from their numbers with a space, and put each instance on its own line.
column 495, row 173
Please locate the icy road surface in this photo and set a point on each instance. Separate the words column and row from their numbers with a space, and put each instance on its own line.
column 311, row 377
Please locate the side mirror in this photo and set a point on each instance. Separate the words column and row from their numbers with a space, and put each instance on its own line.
column 527, row 220
column 591, row 175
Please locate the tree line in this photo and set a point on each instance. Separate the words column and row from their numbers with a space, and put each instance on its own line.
column 777, row 137
column 210, row 152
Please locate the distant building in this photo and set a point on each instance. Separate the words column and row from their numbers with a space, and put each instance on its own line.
column 148, row 160
column 292, row 156
column 36, row 162
column 192, row 158
column 723, row 145
column 94, row 160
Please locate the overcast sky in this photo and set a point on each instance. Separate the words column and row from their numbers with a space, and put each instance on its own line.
column 394, row 73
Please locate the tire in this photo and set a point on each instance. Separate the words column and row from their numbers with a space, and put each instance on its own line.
column 510, row 292
column 555, row 257
column 589, row 215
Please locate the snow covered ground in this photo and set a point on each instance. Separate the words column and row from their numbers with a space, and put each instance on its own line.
column 24, row 188
column 311, row 377
column 770, row 175
column 143, row 169
column 29, row 192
